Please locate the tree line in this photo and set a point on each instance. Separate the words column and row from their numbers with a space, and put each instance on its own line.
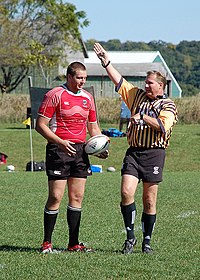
column 183, row 59
column 30, row 32
column 35, row 33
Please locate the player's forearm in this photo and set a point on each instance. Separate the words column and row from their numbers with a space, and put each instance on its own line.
column 44, row 130
column 102, row 54
column 93, row 129
column 153, row 122
column 113, row 74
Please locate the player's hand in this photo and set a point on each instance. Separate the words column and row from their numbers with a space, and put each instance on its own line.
column 67, row 147
column 103, row 155
column 135, row 119
column 101, row 53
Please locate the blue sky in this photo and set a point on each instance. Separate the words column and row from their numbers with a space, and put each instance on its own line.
column 171, row 21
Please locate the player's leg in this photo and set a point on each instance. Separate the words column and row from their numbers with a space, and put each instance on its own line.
column 149, row 214
column 56, row 192
column 76, row 188
column 152, row 164
column 128, row 209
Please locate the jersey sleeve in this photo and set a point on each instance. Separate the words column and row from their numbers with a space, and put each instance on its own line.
column 168, row 115
column 49, row 103
column 127, row 91
column 92, row 117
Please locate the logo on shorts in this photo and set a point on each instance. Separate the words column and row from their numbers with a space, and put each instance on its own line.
column 89, row 170
column 57, row 172
column 156, row 170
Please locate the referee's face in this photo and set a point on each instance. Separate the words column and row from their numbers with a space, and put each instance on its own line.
column 152, row 87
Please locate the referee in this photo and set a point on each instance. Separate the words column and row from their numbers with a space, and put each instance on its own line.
column 153, row 116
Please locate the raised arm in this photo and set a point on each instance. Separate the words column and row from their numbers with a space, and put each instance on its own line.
column 102, row 54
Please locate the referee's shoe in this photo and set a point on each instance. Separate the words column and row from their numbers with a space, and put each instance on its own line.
column 146, row 249
column 128, row 246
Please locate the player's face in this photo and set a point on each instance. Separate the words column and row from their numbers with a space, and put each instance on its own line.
column 77, row 81
column 152, row 87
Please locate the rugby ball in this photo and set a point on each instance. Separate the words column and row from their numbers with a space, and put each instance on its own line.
column 111, row 169
column 97, row 144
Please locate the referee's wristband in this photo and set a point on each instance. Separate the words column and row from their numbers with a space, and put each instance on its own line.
column 105, row 65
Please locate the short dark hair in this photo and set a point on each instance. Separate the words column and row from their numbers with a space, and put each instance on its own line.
column 74, row 66
column 159, row 77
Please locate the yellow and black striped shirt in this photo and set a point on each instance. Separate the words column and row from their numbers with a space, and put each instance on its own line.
column 164, row 110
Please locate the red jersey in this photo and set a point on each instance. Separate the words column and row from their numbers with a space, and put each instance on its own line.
column 68, row 113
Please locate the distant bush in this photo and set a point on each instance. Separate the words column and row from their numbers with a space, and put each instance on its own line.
column 108, row 110
column 13, row 109
column 189, row 109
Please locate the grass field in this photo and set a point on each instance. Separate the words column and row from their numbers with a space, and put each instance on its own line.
column 175, row 239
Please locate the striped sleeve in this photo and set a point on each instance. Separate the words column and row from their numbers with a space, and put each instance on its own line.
column 127, row 91
column 168, row 115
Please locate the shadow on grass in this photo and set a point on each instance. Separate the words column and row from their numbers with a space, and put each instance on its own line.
column 9, row 248
column 16, row 128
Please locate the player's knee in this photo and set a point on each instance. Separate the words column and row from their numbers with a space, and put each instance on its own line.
column 55, row 199
column 149, row 206
column 76, row 198
column 125, row 195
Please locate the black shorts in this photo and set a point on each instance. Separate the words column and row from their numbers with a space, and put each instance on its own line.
column 59, row 165
column 145, row 164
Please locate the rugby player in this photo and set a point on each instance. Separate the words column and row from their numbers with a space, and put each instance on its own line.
column 65, row 115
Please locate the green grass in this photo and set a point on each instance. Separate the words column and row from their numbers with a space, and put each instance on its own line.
column 175, row 239
column 184, row 146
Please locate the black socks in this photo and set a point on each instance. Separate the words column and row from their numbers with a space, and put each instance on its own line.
column 148, row 223
column 129, row 213
column 50, row 217
column 73, row 220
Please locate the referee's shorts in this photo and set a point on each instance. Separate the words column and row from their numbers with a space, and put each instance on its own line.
column 145, row 164
column 60, row 166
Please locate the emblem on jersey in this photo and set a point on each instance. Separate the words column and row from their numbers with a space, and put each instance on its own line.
column 156, row 170
column 84, row 102
column 66, row 103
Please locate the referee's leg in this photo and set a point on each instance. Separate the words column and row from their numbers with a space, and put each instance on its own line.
column 149, row 214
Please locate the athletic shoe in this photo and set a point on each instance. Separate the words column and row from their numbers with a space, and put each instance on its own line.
column 79, row 248
column 146, row 249
column 46, row 247
column 128, row 246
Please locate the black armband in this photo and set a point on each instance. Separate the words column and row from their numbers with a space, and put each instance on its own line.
column 105, row 65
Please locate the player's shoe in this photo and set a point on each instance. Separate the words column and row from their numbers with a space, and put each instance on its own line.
column 46, row 247
column 79, row 248
column 128, row 246
column 146, row 249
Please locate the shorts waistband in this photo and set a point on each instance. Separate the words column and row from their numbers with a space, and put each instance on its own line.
column 75, row 144
column 144, row 149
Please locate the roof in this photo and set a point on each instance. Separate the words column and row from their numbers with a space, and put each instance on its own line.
column 125, row 57
column 130, row 63
column 126, row 69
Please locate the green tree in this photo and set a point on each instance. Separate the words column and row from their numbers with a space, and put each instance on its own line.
column 35, row 33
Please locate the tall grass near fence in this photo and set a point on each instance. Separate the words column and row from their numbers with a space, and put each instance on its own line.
column 13, row 108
